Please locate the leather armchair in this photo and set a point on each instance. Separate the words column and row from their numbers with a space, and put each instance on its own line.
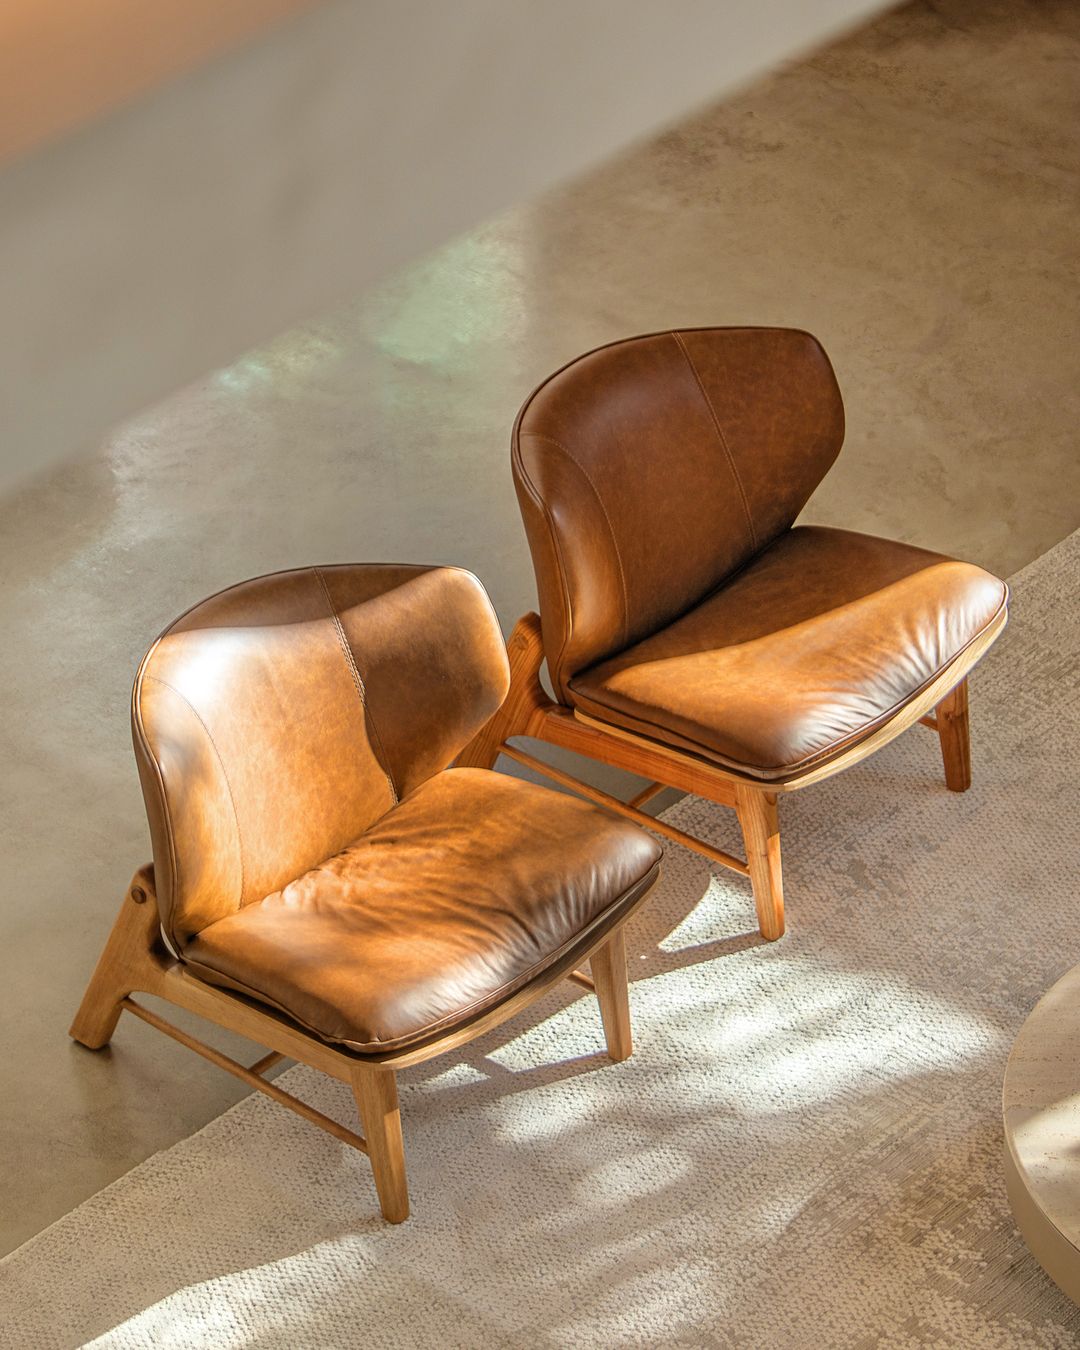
column 692, row 632
column 321, row 882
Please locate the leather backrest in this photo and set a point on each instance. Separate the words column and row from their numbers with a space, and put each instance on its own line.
column 276, row 721
column 651, row 469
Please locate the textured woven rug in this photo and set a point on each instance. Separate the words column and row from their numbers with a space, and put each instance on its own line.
column 805, row 1149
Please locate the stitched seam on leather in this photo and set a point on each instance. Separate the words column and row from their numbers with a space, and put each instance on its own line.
column 221, row 763
column 361, row 692
column 550, row 440
column 477, row 1006
column 723, row 439
column 556, row 674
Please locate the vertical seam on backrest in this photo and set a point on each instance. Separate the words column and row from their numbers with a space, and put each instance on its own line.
column 723, row 439
column 550, row 440
column 357, row 680
column 224, row 773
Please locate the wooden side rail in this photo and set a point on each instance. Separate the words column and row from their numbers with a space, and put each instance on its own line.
column 647, row 794
column 251, row 1076
column 579, row 977
column 627, row 809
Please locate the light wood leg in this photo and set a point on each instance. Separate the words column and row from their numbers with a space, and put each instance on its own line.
column 761, row 832
column 375, row 1090
column 953, row 733
column 525, row 652
column 608, row 967
column 117, row 972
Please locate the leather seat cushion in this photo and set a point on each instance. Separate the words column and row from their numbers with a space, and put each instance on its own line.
column 470, row 888
column 818, row 641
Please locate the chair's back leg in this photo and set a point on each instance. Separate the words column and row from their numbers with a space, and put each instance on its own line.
column 125, row 958
column 761, row 832
column 375, row 1090
column 953, row 733
column 608, row 967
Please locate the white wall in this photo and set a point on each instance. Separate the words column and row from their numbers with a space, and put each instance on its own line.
column 274, row 182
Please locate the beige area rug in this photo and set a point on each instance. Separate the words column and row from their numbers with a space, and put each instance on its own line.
column 805, row 1149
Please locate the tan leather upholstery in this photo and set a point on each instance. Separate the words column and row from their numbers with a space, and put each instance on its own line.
column 649, row 470
column 270, row 732
column 816, row 642
column 469, row 889
column 659, row 479
column 291, row 735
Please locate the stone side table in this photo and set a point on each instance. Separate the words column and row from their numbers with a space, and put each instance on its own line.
column 1041, row 1102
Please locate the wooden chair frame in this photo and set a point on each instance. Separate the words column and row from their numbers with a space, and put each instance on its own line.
column 528, row 711
column 136, row 960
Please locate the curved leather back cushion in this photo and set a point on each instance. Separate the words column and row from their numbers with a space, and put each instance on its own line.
column 649, row 470
column 276, row 721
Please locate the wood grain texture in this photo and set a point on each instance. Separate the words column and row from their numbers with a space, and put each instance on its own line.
column 605, row 799
column 608, row 965
column 955, row 737
column 117, row 973
column 252, row 1075
column 646, row 794
column 375, row 1090
column 760, row 823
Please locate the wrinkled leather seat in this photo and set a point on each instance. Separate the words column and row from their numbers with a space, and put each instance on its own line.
column 820, row 639
column 310, row 847
column 457, row 897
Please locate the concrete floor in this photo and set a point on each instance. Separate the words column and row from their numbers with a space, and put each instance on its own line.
column 909, row 194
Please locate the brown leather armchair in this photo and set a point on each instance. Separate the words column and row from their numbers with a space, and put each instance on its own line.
column 322, row 883
column 692, row 633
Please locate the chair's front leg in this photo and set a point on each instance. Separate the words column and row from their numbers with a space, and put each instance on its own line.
column 375, row 1090
column 953, row 733
column 608, row 967
column 125, row 958
column 760, row 823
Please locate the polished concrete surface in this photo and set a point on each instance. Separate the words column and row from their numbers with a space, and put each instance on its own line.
column 910, row 195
